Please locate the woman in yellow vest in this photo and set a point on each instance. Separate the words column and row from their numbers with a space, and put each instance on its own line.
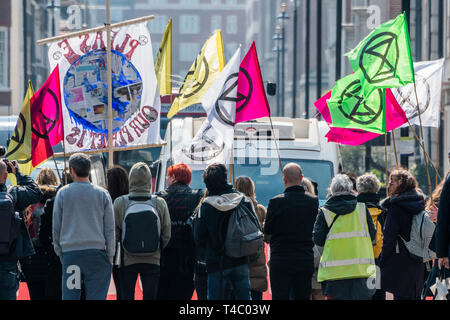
column 368, row 187
column 345, row 230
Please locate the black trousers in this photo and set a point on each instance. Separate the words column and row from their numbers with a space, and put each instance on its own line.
column 175, row 285
column 283, row 279
column 149, row 274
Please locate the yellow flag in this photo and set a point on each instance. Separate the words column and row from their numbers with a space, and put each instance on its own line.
column 202, row 74
column 19, row 147
column 163, row 62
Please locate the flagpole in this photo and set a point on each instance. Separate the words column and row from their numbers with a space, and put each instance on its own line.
column 437, row 149
column 421, row 133
column 423, row 149
column 65, row 166
column 276, row 144
column 108, row 63
column 57, row 170
column 395, row 147
column 386, row 163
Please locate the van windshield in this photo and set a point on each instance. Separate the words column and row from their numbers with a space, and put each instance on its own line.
column 268, row 179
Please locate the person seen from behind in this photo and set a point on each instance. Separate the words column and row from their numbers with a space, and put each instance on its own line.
column 257, row 263
column 53, row 288
column 316, row 288
column 142, row 224
column 345, row 230
column 368, row 187
column 288, row 228
column 215, row 212
column 15, row 242
column 178, row 258
column 83, row 233
column 401, row 274
column 117, row 184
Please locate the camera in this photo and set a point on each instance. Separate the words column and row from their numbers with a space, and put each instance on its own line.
column 6, row 161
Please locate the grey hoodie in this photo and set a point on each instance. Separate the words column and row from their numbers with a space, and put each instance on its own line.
column 141, row 185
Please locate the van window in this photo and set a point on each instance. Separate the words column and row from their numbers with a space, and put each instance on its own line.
column 268, row 179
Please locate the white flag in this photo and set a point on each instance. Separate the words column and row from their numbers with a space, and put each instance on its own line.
column 83, row 75
column 428, row 76
column 213, row 143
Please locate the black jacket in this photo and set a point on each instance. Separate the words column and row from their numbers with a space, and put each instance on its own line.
column 347, row 289
column 46, row 227
column 443, row 223
column 211, row 230
column 179, row 254
column 26, row 192
column 289, row 223
column 400, row 274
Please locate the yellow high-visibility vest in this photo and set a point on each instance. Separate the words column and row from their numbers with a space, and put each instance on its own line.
column 348, row 251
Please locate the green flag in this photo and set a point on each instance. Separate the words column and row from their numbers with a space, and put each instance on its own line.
column 351, row 107
column 384, row 56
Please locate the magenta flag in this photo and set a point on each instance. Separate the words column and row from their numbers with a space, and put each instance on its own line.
column 251, row 97
column 395, row 117
column 47, row 101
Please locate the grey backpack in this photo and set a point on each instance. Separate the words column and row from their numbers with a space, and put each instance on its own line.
column 422, row 230
column 244, row 236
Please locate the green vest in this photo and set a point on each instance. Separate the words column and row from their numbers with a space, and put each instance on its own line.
column 348, row 250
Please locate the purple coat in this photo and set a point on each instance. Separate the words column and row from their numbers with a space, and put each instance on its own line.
column 400, row 274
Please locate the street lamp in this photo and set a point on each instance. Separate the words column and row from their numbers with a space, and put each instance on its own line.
column 294, row 76
column 282, row 17
column 277, row 37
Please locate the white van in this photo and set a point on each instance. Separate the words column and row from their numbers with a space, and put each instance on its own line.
column 255, row 154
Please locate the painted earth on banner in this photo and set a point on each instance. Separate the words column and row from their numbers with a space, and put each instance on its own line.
column 136, row 102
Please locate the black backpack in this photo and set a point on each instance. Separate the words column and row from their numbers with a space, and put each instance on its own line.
column 9, row 226
column 141, row 227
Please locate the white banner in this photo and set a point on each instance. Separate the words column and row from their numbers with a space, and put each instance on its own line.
column 428, row 76
column 136, row 101
column 213, row 143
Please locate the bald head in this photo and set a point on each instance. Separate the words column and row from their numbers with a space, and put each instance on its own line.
column 292, row 174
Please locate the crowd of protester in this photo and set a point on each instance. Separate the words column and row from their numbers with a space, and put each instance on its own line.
column 72, row 236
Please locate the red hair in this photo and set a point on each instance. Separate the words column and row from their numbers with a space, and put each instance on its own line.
column 181, row 172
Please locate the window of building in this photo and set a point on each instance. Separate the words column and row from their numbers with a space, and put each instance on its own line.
column 232, row 24
column 189, row 2
column 157, row 2
column 3, row 57
column 230, row 49
column 189, row 24
column 216, row 23
column 188, row 51
column 158, row 25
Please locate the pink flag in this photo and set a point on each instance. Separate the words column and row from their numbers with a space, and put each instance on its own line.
column 251, row 97
column 46, row 119
column 395, row 117
column 47, row 101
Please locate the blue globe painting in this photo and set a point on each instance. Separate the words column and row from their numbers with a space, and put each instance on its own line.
column 86, row 91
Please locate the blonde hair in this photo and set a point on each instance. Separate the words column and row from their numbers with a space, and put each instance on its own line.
column 246, row 185
column 308, row 185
